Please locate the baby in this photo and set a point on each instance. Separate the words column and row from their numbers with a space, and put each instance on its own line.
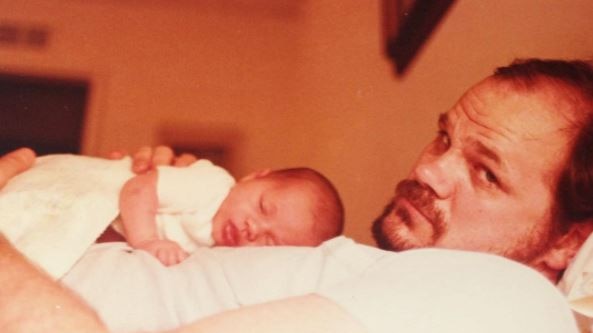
column 169, row 211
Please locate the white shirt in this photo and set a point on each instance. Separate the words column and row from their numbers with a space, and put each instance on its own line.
column 577, row 284
column 412, row 291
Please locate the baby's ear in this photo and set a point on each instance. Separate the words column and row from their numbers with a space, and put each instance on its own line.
column 257, row 174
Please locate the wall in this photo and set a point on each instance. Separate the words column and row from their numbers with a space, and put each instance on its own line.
column 284, row 82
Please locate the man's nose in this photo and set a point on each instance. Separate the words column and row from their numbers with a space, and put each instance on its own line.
column 440, row 173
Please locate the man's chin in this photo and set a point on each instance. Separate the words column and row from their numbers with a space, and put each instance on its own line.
column 386, row 238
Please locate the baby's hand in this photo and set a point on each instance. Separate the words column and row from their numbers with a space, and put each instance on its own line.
column 167, row 252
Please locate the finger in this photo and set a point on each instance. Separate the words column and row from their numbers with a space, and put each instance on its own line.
column 174, row 258
column 163, row 155
column 14, row 163
column 182, row 257
column 171, row 257
column 185, row 159
column 162, row 257
column 117, row 154
column 142, row 160
column 165, row 261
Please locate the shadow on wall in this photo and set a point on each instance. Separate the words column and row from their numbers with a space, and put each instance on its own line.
column 217, row 143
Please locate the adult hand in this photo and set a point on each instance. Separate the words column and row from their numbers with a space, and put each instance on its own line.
column 14, row 163
column 29, row 300
column 147, row 158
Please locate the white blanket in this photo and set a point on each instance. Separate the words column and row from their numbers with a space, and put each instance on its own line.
column 53, row 212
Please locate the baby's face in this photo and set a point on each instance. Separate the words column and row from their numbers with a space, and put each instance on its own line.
column 265, row 212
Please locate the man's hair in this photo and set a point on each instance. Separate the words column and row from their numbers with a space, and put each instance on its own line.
column 328, row 210
column 574, row 79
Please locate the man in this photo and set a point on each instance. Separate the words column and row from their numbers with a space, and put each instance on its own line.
column 510, row 171
column 490, row 182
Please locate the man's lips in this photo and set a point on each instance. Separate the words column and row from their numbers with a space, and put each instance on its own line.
column 230, row 234
column 416, row 199
column 414, row 212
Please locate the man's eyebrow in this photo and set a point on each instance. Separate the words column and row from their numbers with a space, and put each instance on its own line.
column 483, row 150
column 477, row 146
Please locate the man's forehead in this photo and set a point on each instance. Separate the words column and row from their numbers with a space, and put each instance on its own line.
column 501, row 108
column 519, row 129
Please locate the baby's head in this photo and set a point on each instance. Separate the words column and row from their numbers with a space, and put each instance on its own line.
column 298, row 207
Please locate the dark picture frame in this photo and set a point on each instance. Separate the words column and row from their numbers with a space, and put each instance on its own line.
column 45, row 113
column 407, row 25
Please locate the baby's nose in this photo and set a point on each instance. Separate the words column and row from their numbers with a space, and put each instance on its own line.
column 257, row 229
column 252, row 230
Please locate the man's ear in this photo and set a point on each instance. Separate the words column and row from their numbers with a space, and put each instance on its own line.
column 559, row 256
column 257, row 174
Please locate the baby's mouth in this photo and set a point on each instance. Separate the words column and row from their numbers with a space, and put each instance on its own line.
column 230, row 234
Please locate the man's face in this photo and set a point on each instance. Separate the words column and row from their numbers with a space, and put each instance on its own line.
column 486, row 182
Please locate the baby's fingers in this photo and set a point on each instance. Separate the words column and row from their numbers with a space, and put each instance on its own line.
column 170, row 256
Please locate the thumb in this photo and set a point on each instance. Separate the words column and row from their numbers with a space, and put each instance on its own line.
column 14, row 163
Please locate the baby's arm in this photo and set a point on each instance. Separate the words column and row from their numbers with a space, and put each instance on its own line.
column 138, row 204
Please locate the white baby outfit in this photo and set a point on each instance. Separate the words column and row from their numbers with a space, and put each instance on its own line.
column 188, row 200
column 53, row 212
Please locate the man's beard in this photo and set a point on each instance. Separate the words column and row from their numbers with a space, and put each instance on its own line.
column 392, row 230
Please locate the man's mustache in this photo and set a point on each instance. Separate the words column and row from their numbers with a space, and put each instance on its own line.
column 420, row 196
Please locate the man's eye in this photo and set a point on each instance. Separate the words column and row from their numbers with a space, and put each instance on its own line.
column 486, row 176
column 491, row 177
